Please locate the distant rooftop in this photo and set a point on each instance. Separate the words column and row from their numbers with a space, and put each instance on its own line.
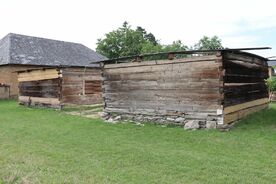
column 271, row 63
column 29, row 50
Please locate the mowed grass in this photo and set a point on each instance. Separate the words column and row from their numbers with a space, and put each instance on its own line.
column 48, row 146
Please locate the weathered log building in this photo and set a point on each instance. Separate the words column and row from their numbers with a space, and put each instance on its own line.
column 211, row 87
column 21, row 52
column 56, row 87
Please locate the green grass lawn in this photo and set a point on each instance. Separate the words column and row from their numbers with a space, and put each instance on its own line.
column 48, row 146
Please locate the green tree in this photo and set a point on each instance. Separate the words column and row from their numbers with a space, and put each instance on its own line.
column 175, row 46
column 126, row 41
column 271, row 86
column 206, row 43
column 147, row 36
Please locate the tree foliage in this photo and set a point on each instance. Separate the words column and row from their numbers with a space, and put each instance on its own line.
column 271, row 85
column 207, row 43
column 126, row 41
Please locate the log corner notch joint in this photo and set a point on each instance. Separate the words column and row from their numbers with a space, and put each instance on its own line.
column 219, row 86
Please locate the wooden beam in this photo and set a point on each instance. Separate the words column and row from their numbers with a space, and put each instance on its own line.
column 29, row 99
column 246, row 105
column 228, row 118
column 39, row 75
column 163, row 62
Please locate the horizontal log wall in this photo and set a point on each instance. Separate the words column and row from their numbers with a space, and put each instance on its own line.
column 48, row 88
column 40, row 87
column 187, row 87
column 39, row 101
column 81, row 86
column 244, row 85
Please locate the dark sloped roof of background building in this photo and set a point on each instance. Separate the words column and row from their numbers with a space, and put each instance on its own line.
column 28, row 50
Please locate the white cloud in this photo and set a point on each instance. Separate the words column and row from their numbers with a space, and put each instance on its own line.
column 85, row 21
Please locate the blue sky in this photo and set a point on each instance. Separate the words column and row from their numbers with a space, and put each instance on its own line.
column 256, row 38
column 247, row 23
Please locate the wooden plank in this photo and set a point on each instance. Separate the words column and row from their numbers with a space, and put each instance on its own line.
column 163, row 62
column 158, row 95
column 74, row 79
column 162, row 112
column 176, row 68
column 38, row 72
column 80, row 70
column 246, row 105
column 165, row 75
column 232, row 79
column 238, row 70
column 247, row 65
column 228, row 118
column 29, row 99
column 42, row 88
column 243, row 84
column 82, row 99
column 244, row 58
column 42, row 77
column 39, row 75
column 184, row 86
column 242, row 99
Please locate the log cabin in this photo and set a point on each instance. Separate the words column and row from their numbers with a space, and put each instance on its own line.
column 21, row 52
column 211, row 87
column 60, row 86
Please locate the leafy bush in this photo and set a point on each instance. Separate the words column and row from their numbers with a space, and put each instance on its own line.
column 271, row 85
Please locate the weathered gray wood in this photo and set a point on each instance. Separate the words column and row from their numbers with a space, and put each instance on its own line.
column 163, row 87
column 175, row 67
column 244, row 58
column 244, row 78
column 74, row 86
column 163, row 62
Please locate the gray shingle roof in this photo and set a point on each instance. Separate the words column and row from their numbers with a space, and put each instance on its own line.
column 28, row 50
